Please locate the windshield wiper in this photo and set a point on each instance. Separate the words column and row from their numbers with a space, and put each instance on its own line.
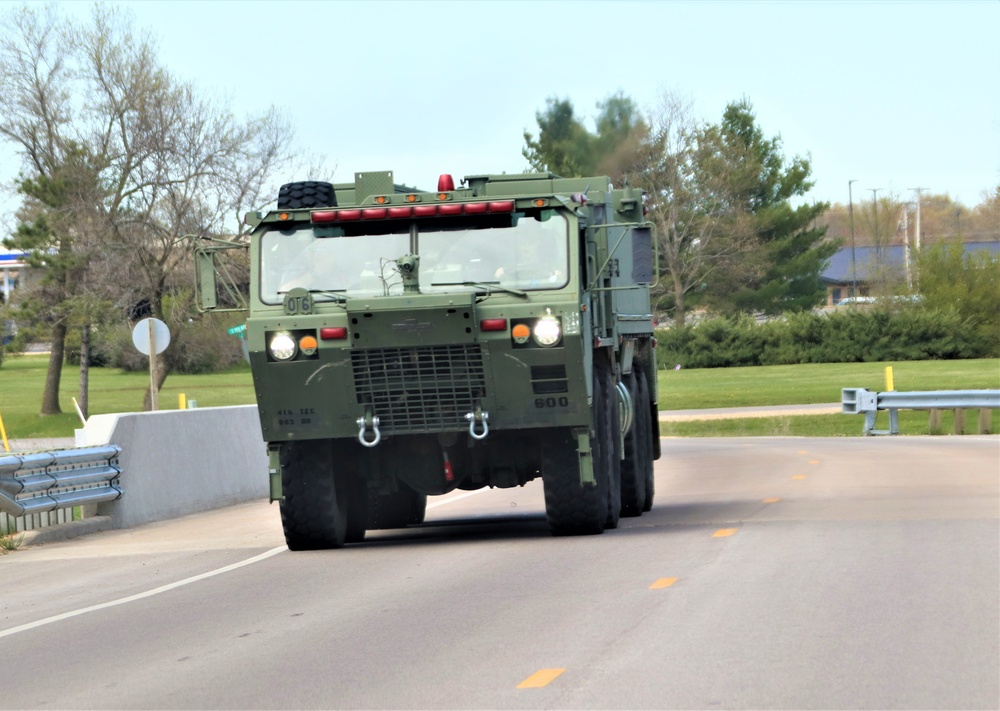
column 487, row 285
column 336, row 295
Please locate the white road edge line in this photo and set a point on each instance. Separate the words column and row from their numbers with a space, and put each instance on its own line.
column 140, row 596
column 181, row 583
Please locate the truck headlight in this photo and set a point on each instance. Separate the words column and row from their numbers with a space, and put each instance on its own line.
column 282, row 346
column 547, row 331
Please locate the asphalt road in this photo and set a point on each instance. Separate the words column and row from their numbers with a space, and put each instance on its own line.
column 771, row 573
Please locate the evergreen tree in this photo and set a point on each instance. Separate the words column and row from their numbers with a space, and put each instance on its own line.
column 567, row 148
column 779, row 268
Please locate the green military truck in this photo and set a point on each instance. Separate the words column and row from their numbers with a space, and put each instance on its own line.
column 407, row 343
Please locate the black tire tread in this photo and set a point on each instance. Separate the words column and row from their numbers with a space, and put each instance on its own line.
column 645, row 421
column 633, row 464
column 310, row 515
column 572, row 508
column 612, row 447
column 306, row 194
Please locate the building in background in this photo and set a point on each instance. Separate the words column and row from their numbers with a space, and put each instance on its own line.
column 872, row 266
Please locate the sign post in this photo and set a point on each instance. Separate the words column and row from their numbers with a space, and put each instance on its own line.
column 151, row 337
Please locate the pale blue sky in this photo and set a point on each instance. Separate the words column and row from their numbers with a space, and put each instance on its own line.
column 894, row 94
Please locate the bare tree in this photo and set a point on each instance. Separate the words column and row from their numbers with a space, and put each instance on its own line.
column 688, row 180
column 170, row 162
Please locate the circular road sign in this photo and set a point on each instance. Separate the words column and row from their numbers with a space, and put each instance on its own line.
column 141, row 335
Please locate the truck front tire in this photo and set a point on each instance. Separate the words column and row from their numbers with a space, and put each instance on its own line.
column 574, row 508
column 314, row 505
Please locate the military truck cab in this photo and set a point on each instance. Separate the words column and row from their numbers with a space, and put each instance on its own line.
column 406, row 343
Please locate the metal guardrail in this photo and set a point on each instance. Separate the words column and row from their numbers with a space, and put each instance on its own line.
column 46, row 481
column 857, row 401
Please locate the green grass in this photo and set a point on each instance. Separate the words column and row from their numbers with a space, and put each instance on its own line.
column 815, row 382
column 910, row 423
column 22, row 381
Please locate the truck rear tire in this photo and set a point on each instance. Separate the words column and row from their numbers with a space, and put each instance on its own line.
column 636, row 456
column 612, row 440
column 644, row 418
column 313, row 511
column 306, row 194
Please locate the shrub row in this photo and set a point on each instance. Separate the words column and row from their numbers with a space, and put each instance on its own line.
column 202, row 346
column 853, row 336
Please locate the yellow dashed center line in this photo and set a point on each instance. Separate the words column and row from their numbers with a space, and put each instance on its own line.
column 814, row 461
column 799, row 476
column 723, row 532
column 770, row 501
column 540, row 678
column 663, row 583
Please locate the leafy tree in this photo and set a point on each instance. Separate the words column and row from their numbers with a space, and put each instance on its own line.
column 567, row 148
column 778, row 270
column 687, row 183
column 563, row 143
column 951, row 279
column 55, row 232
column 167, row 162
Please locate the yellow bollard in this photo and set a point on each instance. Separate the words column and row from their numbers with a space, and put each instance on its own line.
column 182, row 402
column 3, row 433
column 888, row 379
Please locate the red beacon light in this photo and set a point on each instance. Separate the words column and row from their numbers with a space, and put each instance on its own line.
column 445, row 183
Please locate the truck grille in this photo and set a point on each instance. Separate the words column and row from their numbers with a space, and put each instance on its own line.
column 420, row 388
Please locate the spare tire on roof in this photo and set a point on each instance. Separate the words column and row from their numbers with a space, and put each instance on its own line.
column 306, row 194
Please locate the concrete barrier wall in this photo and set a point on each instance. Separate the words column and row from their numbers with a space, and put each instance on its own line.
column 182, row 461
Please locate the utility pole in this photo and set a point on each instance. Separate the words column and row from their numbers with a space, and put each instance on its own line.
column 906, row 243
column 854, row 258
column 875, row 278
column 875, row 206
column 916, row 236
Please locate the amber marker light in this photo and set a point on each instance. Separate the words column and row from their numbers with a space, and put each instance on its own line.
column 411, row 198
column 284, row 216
column 521, row 333
column 380, row 199
column 307, row 344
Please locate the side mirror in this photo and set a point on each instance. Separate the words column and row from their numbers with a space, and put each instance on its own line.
column 643, row 254
column 206, row 282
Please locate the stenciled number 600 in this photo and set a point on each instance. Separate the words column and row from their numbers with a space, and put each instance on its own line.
column 541, row 402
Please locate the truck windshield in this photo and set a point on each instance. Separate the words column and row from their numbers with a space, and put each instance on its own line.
column 526, row 252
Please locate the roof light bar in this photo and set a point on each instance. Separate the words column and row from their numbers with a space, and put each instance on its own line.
column 445, row 209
